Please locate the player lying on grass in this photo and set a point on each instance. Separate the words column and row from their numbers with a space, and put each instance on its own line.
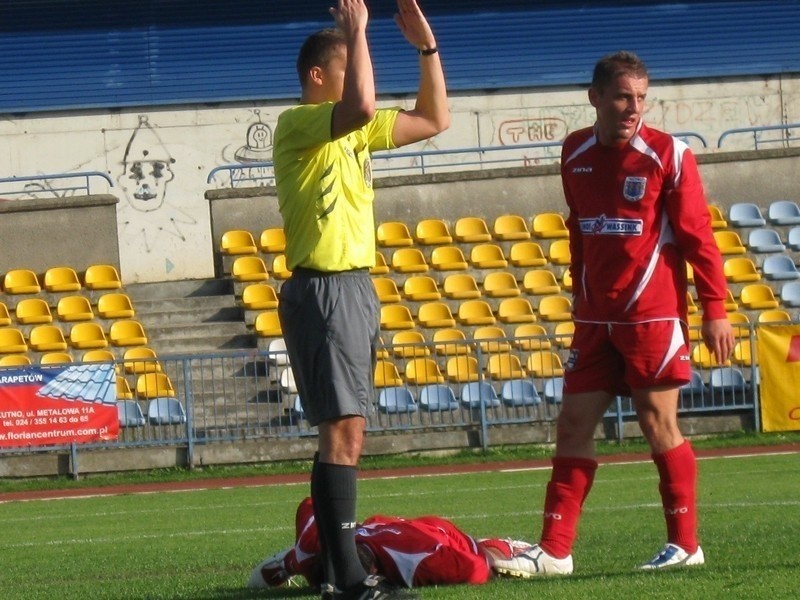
column 407, row 552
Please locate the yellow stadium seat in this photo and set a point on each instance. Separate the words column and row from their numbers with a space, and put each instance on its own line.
column 743, row 354
column 115, row 305
column 717, row 218
column 563, row 333
column 515, row 310
column 476, row 312
column 124, row 391
column 387, row 375
column 386, row 289
column 450, row 342
column 141, row 359
column 21, row 281
column 102, row 277
column 774, row 315
column 423, row 371
column 409, row 344
column 505, row 366
column 433, row 232
column 47, row 338
column 729, row 242
column 448, row 258
column 396, row 316
column 491, row 338
column 55, row 358
column 272, row 240
column 32, row 311
column 435, row 314
column 740, row 269
column 75, row 308
column 259, row 296
column 740, row 323
column 15, row 360
column 544, row 364
column 154, row 385
column 500, row 284
column 87, row 335
column 555, row 308
column 531, row 336
column 549, row 225
column 691, row 305
column 268, row 324
column 461, row 286
column 730, row 302
column 695, row 323
column 689, row 274
column 701, row 357
column 757, row 296
column 5, row 317
column 566, row 280
column 61, row 279
column 463, row 369
column 559, row 252
column 127, row 332
column 510, row 227
column 249, row 268
column 98, row 356
column 540, row 282
column 487, row 256
column 279, row 269
column 409, row 260
column 380, row 267
column 472, row 229
column 421, row 288
column 527, row 254
column 238, row 241
column 393, row 234
column 12, row 341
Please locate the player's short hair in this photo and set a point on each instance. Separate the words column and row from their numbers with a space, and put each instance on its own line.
column 619, row 63
column 318, row 50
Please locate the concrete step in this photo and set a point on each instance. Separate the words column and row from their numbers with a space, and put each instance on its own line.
column 178, row 289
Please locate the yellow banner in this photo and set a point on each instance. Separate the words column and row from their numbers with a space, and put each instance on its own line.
column 779, row 365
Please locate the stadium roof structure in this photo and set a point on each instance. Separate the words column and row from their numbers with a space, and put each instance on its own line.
column 64, row 55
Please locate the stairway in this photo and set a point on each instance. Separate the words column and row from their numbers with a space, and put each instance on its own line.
column 189, row 317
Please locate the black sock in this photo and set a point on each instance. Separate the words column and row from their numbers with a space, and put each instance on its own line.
column 328, row 575
column 333, row 491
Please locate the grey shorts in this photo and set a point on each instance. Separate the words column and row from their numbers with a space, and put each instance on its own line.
column 331, row 325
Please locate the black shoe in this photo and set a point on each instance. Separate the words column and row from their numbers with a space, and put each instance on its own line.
column 328, row 592
column 374, row 588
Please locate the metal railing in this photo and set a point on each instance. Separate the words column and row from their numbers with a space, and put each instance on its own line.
column 250, row 396
column 55, row 185
column 426, row 161
column 785, row 139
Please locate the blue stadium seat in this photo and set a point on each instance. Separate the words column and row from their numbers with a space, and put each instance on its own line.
column 472, row 393
column 784, row 212
column 437, row 397
column 746, row 214
column 780, row 266
column 396, row 399
column 165, row 411
column 790, row 294
column 764, row 240
column 130, row 413
column 519, row 392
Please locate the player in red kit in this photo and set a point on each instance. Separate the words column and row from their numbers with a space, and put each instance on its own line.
column 637, row 213
column 406, row 552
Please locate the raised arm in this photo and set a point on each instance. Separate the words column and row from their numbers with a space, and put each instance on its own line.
column 430, row 115
column 357, row 105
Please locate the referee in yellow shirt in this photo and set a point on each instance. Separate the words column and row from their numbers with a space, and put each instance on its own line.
column 329, row 310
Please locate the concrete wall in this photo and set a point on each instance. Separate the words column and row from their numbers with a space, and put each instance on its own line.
column 729, row 177
column 159, row 158
column 39, row 233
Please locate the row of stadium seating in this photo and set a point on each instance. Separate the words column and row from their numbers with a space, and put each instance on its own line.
column 61, row 279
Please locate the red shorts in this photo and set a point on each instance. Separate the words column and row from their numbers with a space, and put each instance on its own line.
column 620, row 357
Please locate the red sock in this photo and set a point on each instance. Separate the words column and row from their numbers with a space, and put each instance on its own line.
column 569, row 485
column 677, row 470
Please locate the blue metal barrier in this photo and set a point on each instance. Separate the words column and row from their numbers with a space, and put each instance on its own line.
column 55, row 185
column 785, row 138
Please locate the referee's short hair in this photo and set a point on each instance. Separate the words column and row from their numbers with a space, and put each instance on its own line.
column 619, row 63
column 317, row 51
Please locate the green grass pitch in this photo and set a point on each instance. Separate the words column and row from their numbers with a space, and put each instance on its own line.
column 202, row 545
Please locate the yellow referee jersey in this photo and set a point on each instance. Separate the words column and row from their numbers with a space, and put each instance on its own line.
column 324, row 187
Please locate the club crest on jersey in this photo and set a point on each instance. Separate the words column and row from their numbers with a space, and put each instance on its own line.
column 634, row 188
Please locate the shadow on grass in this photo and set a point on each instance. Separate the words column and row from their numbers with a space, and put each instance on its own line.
column 248, row 594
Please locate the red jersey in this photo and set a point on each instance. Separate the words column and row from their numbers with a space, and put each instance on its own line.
column 636, row 214
column 408, row 552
